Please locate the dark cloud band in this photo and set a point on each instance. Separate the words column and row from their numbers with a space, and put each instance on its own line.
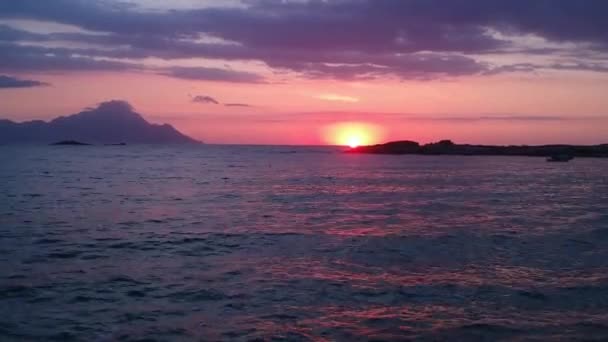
column 342, row 39
column 12, row 82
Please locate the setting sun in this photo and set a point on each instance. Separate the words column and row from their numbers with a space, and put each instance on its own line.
column 352, row 134
column 354, row 141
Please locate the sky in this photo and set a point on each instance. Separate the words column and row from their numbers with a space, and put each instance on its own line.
column 306, row 72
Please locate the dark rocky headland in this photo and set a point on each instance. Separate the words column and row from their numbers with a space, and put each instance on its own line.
column 447, row 147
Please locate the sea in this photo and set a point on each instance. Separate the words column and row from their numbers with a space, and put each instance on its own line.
column 283, row 243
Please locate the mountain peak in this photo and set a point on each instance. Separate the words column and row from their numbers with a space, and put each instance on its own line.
column 110, row 122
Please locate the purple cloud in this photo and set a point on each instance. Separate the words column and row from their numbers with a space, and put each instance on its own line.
column 204, row 99
column 212, row 74
column 22, row 58
column 344, row 39
column 12, row 82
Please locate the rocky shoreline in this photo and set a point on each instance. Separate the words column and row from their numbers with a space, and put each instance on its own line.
column 447, row 147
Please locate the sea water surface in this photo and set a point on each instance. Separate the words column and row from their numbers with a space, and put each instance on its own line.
column 244, row 243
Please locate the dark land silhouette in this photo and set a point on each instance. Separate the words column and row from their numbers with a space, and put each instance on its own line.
column 70, row 143
column 447, row 147
column 112, row 122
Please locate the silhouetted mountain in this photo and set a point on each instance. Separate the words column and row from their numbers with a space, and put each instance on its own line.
column 447, row 147
column 111, row 122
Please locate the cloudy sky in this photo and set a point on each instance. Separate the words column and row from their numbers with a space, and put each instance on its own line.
column 263, row 71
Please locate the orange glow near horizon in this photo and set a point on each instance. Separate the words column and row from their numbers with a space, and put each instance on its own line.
column 352, row 134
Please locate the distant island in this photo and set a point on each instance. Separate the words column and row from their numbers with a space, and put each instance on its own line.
column 69, row 143
column 110, row 123
column 79, row 143
column 447, row 147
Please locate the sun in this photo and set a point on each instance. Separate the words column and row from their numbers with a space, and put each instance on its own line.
column 353, row 141
column 352, row 134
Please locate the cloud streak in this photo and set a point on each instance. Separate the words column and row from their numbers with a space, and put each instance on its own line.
column 7, row 82
column 212, row 74
column 204, row 99
column 339, row 116
column 338, row 98
column 237, row 105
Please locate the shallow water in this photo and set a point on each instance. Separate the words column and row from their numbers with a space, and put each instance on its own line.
column 299, row 244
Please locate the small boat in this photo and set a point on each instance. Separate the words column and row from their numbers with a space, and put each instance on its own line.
column 560, row 158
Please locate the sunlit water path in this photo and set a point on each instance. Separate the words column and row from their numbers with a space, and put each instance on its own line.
column 298, row 244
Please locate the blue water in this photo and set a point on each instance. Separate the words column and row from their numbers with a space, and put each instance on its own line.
column 242, row 243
